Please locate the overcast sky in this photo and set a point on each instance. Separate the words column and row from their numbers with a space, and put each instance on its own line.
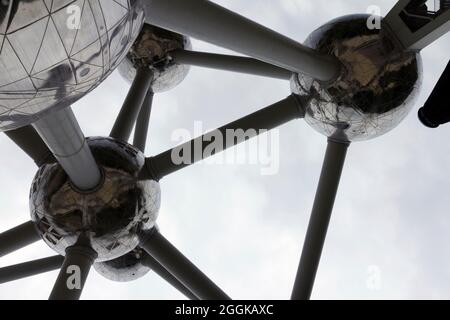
column 245, row 230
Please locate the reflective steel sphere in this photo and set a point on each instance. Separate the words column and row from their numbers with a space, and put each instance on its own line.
column 151, row 50
column 377, row 87
column 52, row 53
column 109, row 217
column 126, row 268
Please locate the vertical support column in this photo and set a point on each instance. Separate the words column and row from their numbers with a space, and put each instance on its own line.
column 63, row 136
column 74, row 272
column 132, row 105
column 320, row 219
column 142, row 123
column 436, row 110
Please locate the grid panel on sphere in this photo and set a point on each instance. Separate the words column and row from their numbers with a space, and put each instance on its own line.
column 53, row 52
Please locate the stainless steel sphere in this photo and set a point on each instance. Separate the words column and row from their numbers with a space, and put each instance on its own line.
column 109, row 217
column 52, row 53
column 126, row 268
column 151, row 50
column 377, row 87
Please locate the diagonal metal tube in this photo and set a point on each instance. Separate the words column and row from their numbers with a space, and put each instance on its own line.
column 180, row 267
column 63, row 136
column 142, row 123
column 132, row 105
column 152, row 263
column 74, row 272
column 230, row 63
column 320, row 218
column 241, row 130
column 212, row 23
column 29, row 141
column 30, row 268
column 18, row 238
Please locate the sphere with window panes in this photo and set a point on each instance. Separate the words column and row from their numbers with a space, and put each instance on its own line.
column 52, row 53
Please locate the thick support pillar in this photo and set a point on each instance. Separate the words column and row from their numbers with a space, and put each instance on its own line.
column 62, row 134
column 320, row 218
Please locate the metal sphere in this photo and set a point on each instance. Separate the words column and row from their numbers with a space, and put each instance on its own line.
column 126, row 268
column 52, row 53
column 151, row 50
column 377, row 87
column 110, row 216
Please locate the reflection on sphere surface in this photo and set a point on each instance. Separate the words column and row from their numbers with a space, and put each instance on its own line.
column 49, row 58
column 126, row 268
column 376, row 90
column 110, row 217
column 151, row 50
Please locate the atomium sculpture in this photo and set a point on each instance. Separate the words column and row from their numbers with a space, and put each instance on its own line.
column 95, row 201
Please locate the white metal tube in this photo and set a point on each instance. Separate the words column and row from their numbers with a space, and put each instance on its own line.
column 230, row 63
column 63, row 136
column 212, row 23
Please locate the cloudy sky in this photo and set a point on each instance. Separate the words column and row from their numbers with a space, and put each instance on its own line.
column 388, row 237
